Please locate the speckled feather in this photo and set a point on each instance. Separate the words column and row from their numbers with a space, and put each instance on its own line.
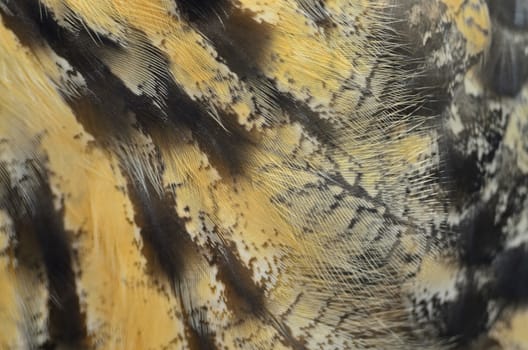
column 263, row 174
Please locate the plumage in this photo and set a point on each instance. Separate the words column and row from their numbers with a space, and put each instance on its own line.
column 263, row 174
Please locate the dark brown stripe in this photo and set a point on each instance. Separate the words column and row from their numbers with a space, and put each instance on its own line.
column 202, row 10
column 196, row 339
column 167, row 241
column 510, row 271
column 240, row 42
column 104, row 112
column 466, row 317
column 43, row 242
column 242, row 295
column 246, row 298
column 166, row 246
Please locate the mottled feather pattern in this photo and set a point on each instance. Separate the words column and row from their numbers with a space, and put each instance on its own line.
column 263, row 174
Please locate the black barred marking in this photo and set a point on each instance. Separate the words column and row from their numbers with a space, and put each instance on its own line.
column 323, row 130
column 466, row 317
column 240, row 42
column 286, row 335
column 66, row 323
column 199, row 340
column 466, row 155
column 168, row 241
column 166, row 247
column 482, row 234
column 245, row 297
column 43, row 241
column 226, row 145
column 481, row 237
column 202, row 10
column 111, row 101
column 511, row 275
column 104, row 115
column 461, row 173
column 78, row 50
column 242, row 294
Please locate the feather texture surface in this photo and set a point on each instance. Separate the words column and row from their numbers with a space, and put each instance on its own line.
column 263, row 174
